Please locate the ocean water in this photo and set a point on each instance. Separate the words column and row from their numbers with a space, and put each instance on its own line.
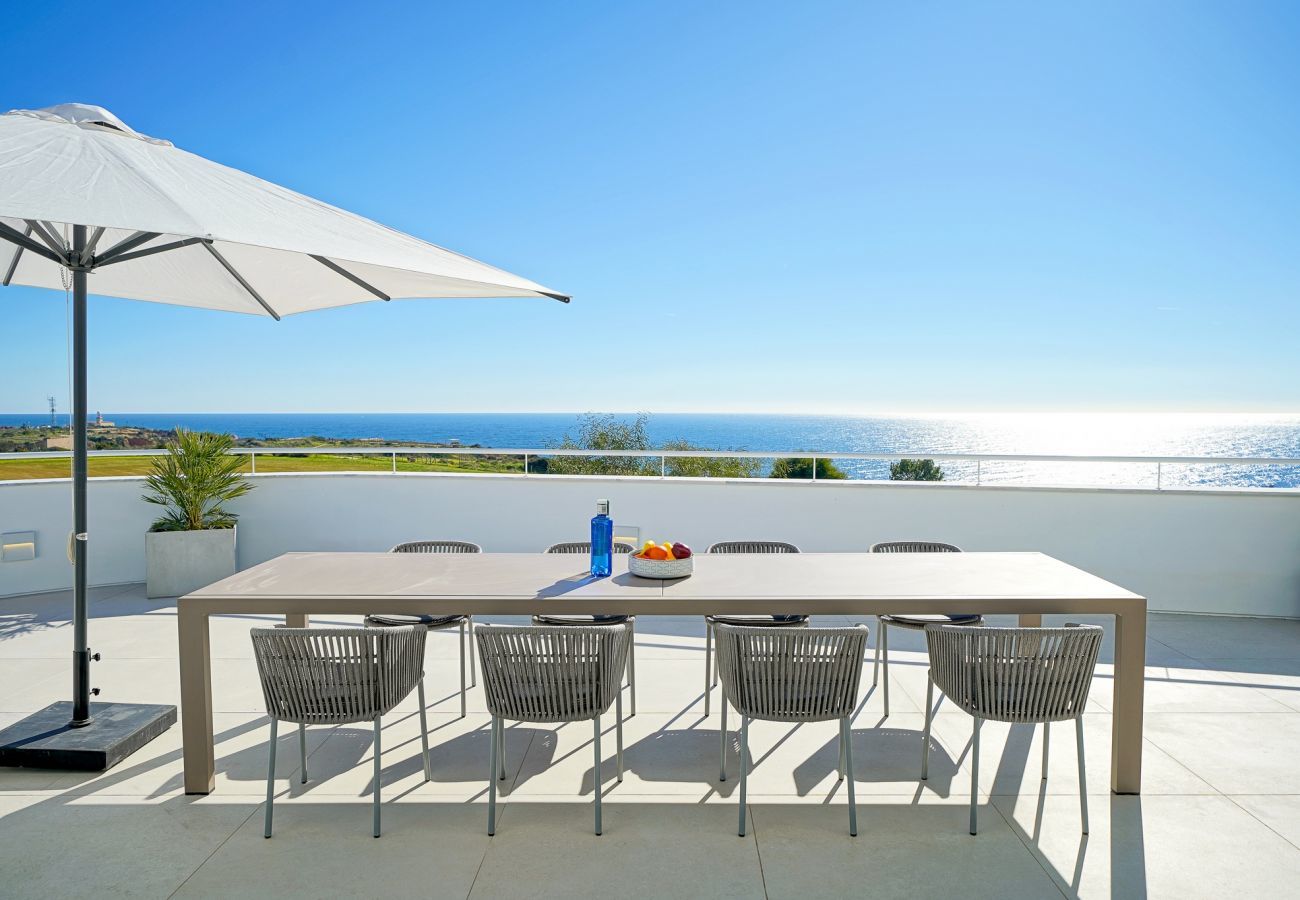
column 1088, row 434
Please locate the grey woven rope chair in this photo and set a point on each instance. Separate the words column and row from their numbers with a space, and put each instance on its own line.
column 337, row 676
column 772, row 621
column 436, row 623
column 1020, row 675
column 543, row 674
column 791, row 675
column 584, row 548
column 912, row 621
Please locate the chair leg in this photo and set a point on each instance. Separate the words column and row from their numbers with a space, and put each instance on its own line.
column 424, row 734
column 270, row 781
column 975, row 773
column 884, row 655
column 846, row 739
column 302, row 750
column 839, row 771
column 1083, row 774
column 501, row 748
column 925, row 737
column 631, row 668
column 618, row 735
column 708, row 665
column 462, row 669
column 722, row 766
column 875, row 668
column 744, row 769
column 596, row 722
column 492, row 781
column 717, row 673
column 469, row 634
column 378, row 771
column 1047, row 737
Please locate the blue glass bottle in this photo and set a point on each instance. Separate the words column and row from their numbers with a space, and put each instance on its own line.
column 602, row 541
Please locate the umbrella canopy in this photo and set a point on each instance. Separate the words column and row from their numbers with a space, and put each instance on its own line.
column 82, row 192
column 172, row 227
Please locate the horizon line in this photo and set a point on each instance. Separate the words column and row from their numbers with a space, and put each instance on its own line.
column 1130, row 411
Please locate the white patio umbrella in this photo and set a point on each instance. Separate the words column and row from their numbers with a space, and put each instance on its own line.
column 84, row 197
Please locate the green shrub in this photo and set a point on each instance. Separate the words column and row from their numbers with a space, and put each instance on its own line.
column 802, row 467
column 193, row 480
column 915, row 470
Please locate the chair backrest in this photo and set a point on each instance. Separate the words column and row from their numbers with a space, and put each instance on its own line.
column 914, row 547
column 790, row 674
column 1015, row 674
column 753, row 547
column 333, row 676
column 584, row 547
column 437, row 547
column 552, row 673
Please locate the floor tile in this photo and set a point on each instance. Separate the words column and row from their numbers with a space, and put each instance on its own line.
column 1243, row 753
column 902, row 850
column 1011, row 757
column 651, row 849
column 1155, row 847
column 102, row 847
column 1227, row 637
column 323, row 848
column 1280, row 812
column 1278, row 679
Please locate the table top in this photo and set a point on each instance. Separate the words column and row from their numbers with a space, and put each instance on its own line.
column 534, row 582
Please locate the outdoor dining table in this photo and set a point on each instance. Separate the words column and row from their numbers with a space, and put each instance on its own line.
column 1026, row 584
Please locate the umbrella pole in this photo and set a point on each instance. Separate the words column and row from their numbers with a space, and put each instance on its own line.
column 63, row 736
column 80, row 611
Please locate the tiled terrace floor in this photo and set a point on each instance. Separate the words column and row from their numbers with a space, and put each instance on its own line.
column 1219, row 816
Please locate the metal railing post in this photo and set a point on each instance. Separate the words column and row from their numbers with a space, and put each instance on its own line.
column 394, row 462
column 663, row 466
column 978, row 465
column 525, row 463
column 252, row 461
column 814, row 468
column 1158, row 475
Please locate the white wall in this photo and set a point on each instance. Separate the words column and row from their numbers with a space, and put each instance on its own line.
column 1200, row 551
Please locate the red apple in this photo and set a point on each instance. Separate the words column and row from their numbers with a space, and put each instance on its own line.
column 681, row 551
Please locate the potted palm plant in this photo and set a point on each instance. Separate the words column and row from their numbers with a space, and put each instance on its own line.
column 193, row 543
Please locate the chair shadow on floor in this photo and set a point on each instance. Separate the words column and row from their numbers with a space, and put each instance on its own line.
column 460, row 759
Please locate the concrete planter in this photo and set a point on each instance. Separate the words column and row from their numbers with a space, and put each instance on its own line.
column 177, row 562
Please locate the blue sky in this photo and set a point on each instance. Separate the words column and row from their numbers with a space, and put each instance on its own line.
column 858, row 207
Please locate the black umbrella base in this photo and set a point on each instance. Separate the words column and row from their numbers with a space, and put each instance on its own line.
column 44, row 740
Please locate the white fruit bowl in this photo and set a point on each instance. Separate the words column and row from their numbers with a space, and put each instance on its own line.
column 661, row 568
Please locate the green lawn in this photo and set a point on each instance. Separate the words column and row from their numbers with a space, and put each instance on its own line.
column 101, row 467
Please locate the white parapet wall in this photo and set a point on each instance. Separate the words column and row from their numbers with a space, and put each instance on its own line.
column 1208, row 551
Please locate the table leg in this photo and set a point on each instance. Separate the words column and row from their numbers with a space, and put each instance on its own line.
column 1031, row 620
column 196, row 702
column 296, row 620
column 1126, row 718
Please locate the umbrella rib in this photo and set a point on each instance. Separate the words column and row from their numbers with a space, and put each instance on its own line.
column 48, row 236
column 94, row 239
column 13, row 263
column 25, row 241
column 148, row 251
column 330, row 264
column 240, row 278
column 126, row 245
